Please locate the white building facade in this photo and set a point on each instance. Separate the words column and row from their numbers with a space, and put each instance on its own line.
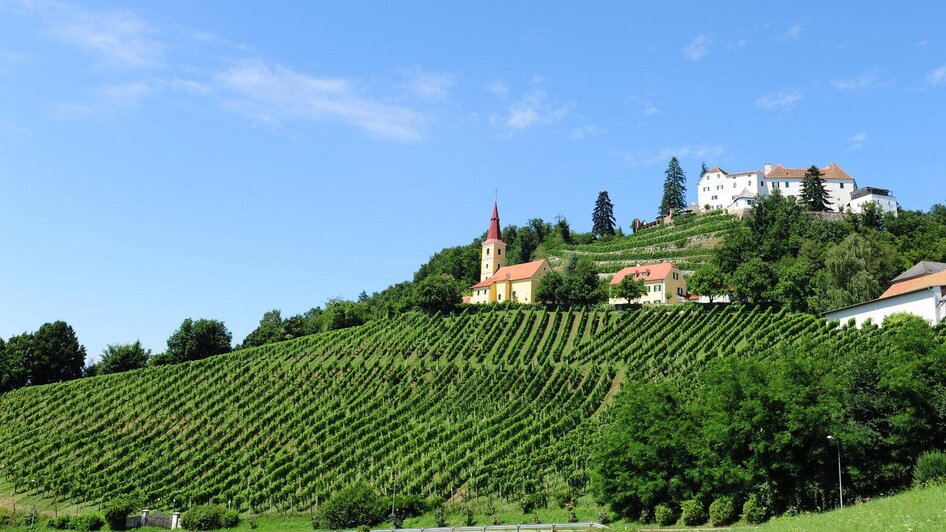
column 920, row 291
column 736, row 192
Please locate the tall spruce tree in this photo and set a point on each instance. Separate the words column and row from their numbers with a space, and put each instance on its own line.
column 703, row 169
column 813, row 193
column 675, row 188
column 603, row 217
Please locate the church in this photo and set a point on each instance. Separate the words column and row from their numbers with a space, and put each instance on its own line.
column 498, row 282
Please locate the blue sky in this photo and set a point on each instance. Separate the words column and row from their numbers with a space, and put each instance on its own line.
column 164, row 160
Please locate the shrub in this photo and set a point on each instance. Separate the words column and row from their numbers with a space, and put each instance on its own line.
column 753, row 512
column 604, row 517
column 87, row 522
column 60, row 523
column 470, row 518
column 532, row 501
column 930, row 469
column 117, row 511
column 692, row 513
column 356, row 505
column 722, row 511
column 412, row 505
column 230, row 519
column 204, row 517
column 439, row 518
column 664, row 515
column 7, row 519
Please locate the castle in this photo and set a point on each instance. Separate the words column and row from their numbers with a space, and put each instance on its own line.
column 736, row 192
column 499, row 282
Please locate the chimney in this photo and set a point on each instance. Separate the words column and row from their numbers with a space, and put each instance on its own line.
column 768, row 167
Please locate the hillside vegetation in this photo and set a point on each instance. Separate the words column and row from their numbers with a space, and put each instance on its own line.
column 493, row 401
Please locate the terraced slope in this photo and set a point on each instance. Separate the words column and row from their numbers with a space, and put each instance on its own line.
column 689, row 243
column 485, row 400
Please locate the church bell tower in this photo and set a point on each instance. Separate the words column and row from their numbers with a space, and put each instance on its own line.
column 494, row 249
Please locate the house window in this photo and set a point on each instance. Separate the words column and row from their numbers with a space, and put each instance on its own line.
column 774, row 185
column 705, row 189
column 679, row 291
column 676, row 276
column 714, row 197
column 656, row 288
column 786, row 184
column 648, row 288
column 499, row 251
column 842, row 185
column 762, row 183
column 719, row 187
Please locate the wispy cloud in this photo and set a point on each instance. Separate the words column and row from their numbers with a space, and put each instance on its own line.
column 275, row 94
column 862, row 82
column 10, row 60
column 650, row 110
column 794, row 32
column 118, row 37
column 937, row 77
column 698, row 48
column 583, row 132
column 498, row 87
column 10, row 127
column 431, row 86
column 782, row 100
column 533, row 109
column 689, row 151
column 107, row 101
column 856, row 141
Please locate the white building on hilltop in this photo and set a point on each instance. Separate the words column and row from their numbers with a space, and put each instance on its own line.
column 735, row 192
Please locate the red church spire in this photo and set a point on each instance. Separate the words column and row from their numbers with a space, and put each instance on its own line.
column 493, row 233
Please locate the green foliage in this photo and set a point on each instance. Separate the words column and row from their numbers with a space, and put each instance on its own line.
column 930, row 469
column 356, row 505
column 753, row 511
column 664, row 515
column 437, row 293
column 722, row 511
column 342, row 314
column 460, row 262
column 207, row 517
column 550, row 288
column 51, row 354
column 753, row 281
column 230, row 519
column 707, row 281
column 674, row 196
column 629, row 289
column 439, row 518
column 122, row 357
column 603, row 216
column 197, row 339
column 83, row 522
column 814, row 195
column 692, row 512
column 117, row 510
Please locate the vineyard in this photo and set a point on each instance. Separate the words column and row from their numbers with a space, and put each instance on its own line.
column 689, row 242
column 488, row 400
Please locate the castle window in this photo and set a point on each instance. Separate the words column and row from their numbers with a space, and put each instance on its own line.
column 734, row 185
column 842, row 185
column 705, row 189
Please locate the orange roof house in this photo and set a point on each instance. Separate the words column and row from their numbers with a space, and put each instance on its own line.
column 664, row 283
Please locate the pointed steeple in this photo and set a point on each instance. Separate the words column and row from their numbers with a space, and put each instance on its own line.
column 493, row 234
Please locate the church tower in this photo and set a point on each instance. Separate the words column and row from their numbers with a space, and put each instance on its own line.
column 494, row 249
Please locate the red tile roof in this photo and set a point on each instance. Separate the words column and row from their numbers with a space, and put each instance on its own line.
column 516, row 272
column 832, row 171
column 716, row 169
column 914, row 284
column 650, row 272
column 493, row 235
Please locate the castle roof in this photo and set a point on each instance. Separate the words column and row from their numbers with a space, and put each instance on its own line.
column 650, row 272
column 832, row 171
column 516, row 272
column 493, row 235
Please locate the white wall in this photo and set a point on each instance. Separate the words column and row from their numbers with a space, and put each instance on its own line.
column 884, row 203
column 921, row 303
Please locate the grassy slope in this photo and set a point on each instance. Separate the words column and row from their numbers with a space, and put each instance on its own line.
column 486, row 395
column 688, row 242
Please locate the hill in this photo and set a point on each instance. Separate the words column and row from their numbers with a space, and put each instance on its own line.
column 490, row 400
column 688, row 241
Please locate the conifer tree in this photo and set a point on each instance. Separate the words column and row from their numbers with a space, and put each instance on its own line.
column 703, row 169
column 813, row 192
column 603, row 217
column 675, row 188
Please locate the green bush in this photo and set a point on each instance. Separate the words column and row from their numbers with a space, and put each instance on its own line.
column 722, row 511
column 603, row 517
column 87, row 522
column 439, row 518
column 753, row 512
column 204, row 517
column 117, row 511
column 356, row 505
column 664, row 515
column 7, row 519
column 930, row 469
column 692, row 513
column 230, row 519
column 60, row 523
column 532, row 501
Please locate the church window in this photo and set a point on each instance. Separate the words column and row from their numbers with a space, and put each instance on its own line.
column 487, row 251
column 513, row 295
column 499, row 297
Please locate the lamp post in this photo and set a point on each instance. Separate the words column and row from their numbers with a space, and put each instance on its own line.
column 393, row 492
column 840, row 488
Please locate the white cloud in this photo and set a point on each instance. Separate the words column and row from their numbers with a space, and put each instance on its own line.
column 650, row 110
column 856, row 141
column 584, row 132
column 782, row 100
column 937, row 77
column 189, row 86
column 107, row 101
column 698, row 49
column 689, row 151
column 531, row 110
column 275, row 94
column 860, row 83
column 794, row 32
column 118, row 37
column 430, row 86
column 497, row 87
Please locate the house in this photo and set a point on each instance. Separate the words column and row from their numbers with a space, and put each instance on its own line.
column 499, row 282
column 736, row 192
column 664, row 283
column 921, row 291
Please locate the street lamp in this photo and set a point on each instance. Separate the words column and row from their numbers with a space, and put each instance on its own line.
column 840, row 488
column 393, row 492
